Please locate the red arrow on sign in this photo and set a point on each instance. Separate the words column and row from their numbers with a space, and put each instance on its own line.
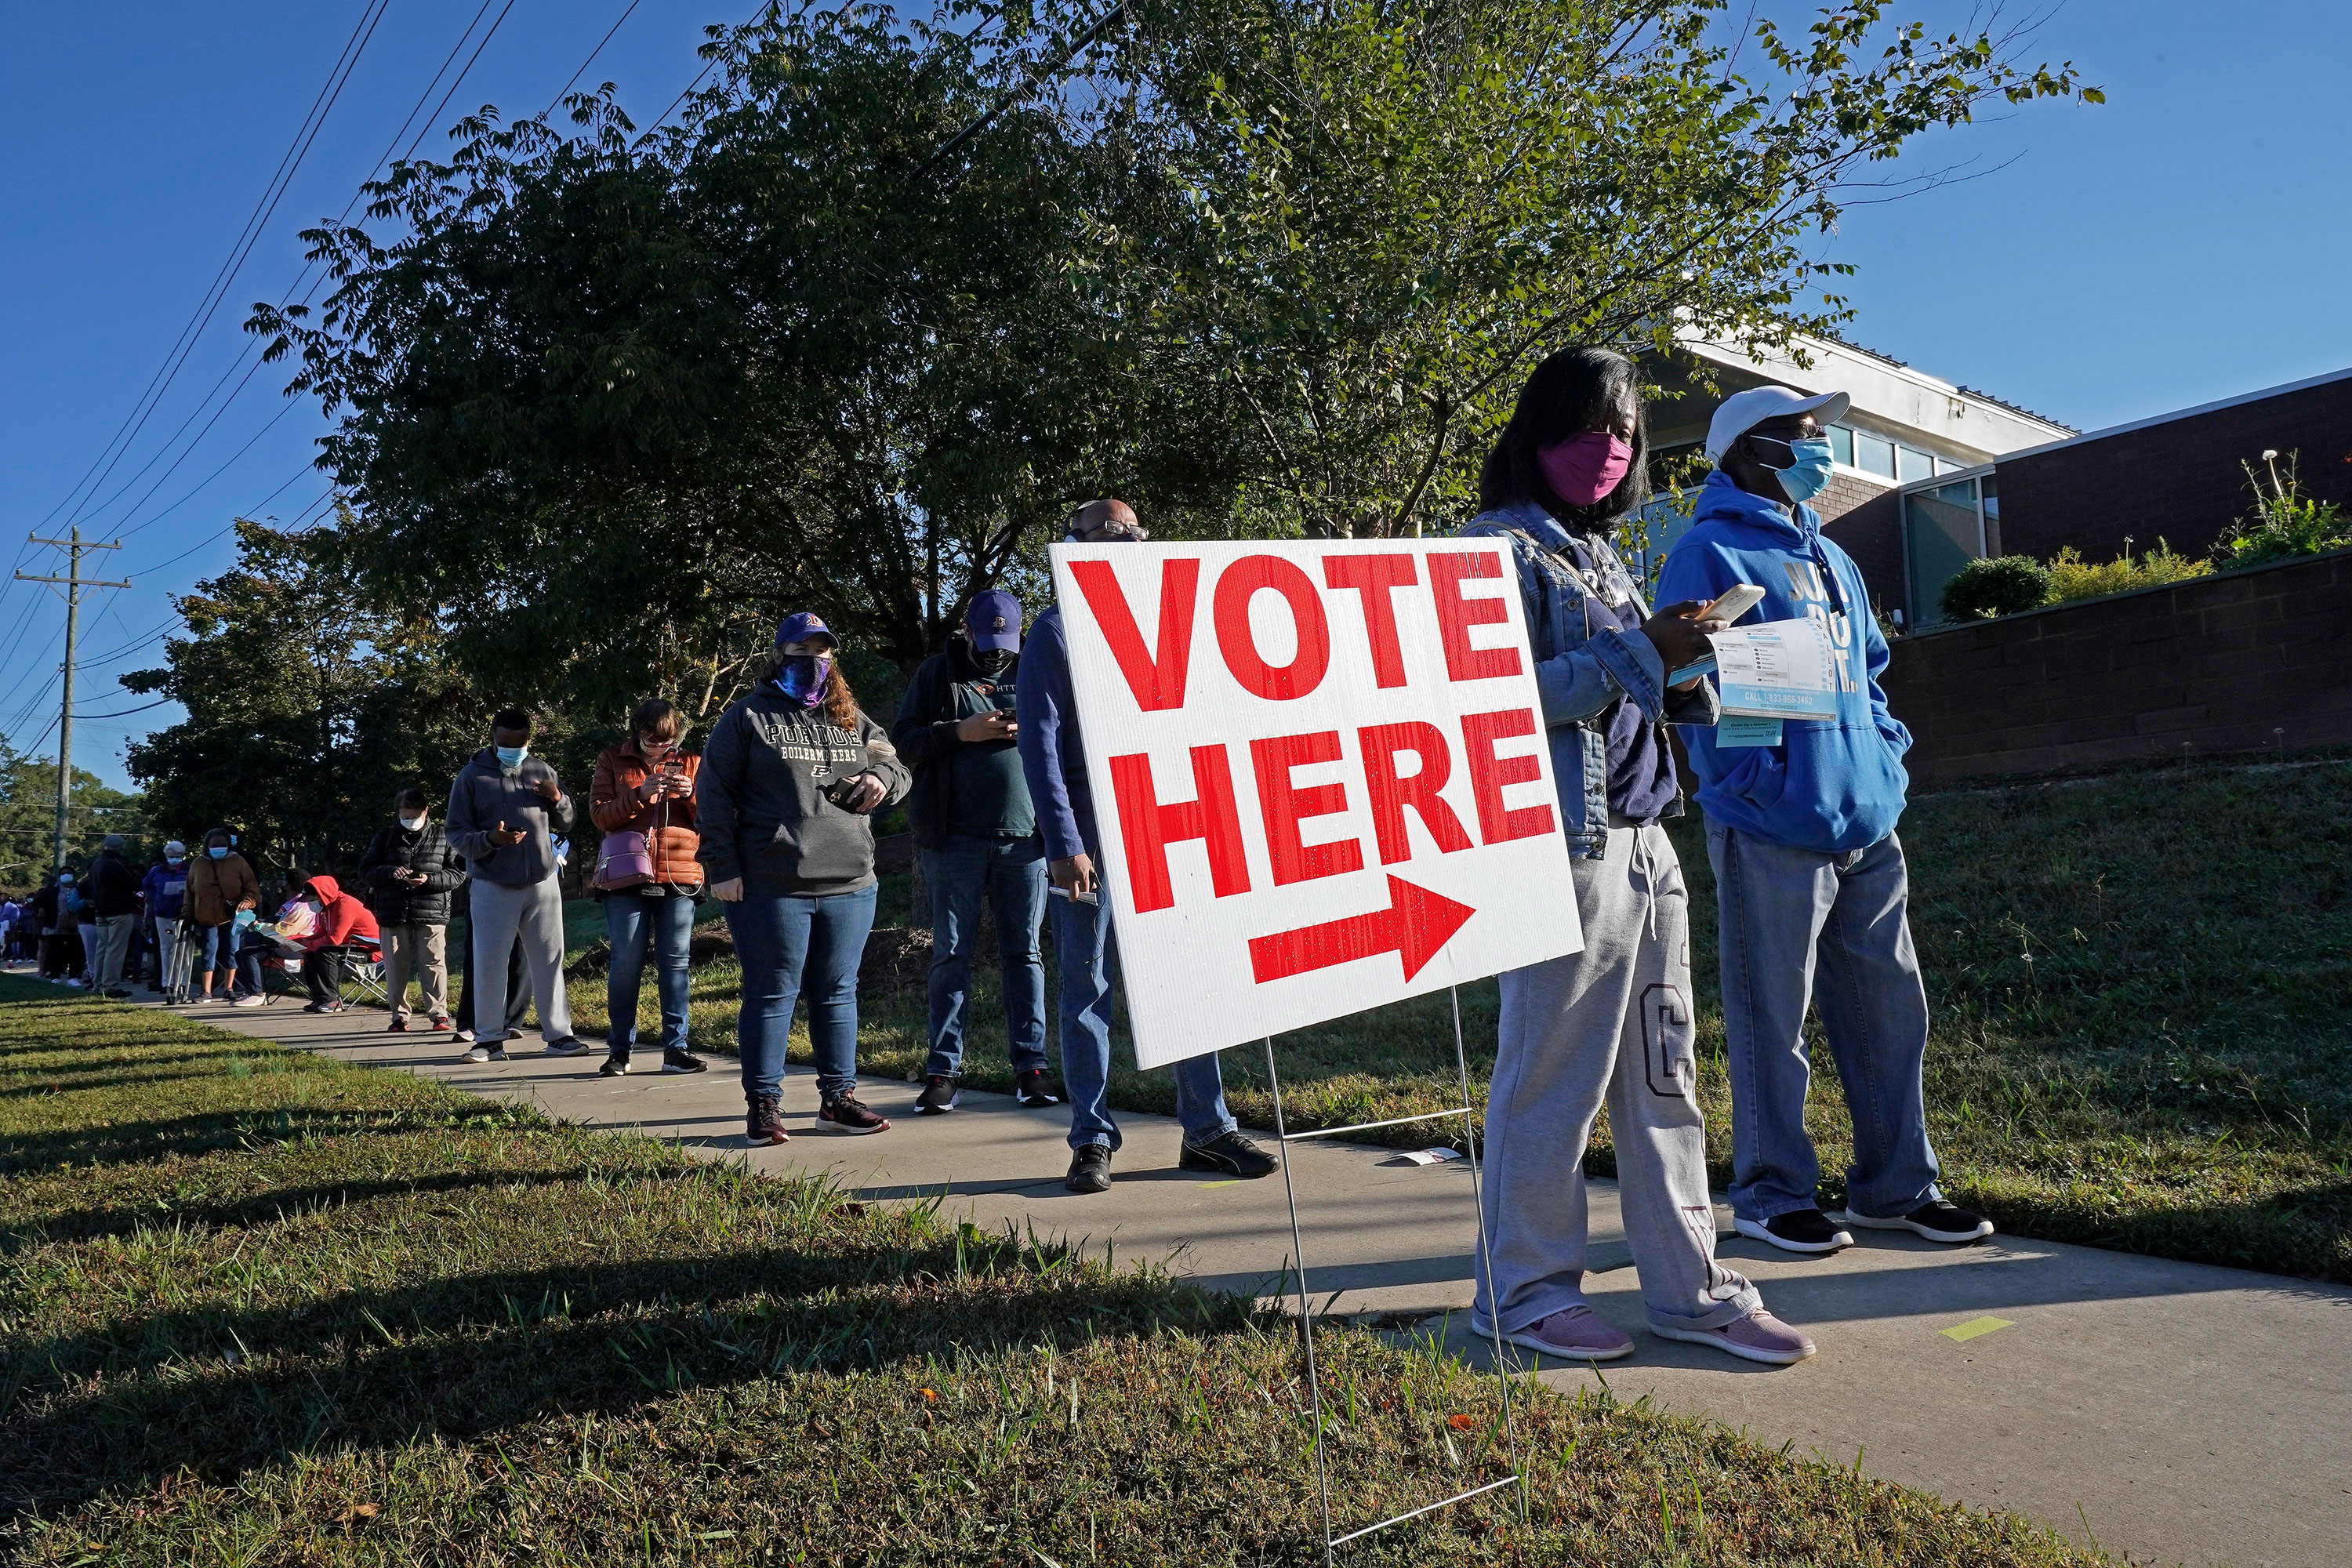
column 1416, row 923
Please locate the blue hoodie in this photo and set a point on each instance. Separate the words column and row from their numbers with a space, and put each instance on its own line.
column 1832, row 785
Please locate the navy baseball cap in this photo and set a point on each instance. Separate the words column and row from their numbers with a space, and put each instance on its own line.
column 802, row 626
column 995, row 622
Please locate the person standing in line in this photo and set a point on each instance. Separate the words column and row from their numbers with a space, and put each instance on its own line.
column 460, row 943
column 46, row 908
column 113, row 892
column 1053, row 760
column 409, row 872
column 1608, row 1026
column 85, row 922
column 789, row 779
column 1809, row 877
column 221, row 887
column 163, row 895
column 977, row 834
column 642, row 800
column 504, row 809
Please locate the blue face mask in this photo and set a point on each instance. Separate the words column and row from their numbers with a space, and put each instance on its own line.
column 804, row 677
column 511, row 756
column 1808, row 473
column 217, row 851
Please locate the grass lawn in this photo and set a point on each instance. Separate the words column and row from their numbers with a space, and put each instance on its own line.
column 2142, row 991
column 259, row 1308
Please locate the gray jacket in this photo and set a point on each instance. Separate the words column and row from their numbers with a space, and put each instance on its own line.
column 760, row 799
column 486, row 794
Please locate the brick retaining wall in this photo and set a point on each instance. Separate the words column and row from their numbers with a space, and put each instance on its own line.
column 2241, row 661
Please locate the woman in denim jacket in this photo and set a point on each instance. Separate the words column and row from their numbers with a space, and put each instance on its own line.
column 1612, row 1023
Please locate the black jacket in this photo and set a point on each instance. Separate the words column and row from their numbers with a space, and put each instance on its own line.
column 112, row 886
column 427, row 850
column 947, row 689
column 760, row 798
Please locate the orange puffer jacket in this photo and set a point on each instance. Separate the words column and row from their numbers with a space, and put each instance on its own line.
column 615, row 806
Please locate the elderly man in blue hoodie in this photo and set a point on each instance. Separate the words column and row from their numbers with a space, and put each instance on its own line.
column 1809, row 877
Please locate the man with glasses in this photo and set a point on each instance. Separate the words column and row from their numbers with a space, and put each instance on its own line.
column 1054, row 762
column 1809, row 877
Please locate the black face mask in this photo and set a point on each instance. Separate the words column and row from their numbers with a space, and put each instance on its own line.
column 993, row 662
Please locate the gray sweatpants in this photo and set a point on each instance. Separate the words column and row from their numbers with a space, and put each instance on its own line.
column 1611, row 1023
column 502, row 917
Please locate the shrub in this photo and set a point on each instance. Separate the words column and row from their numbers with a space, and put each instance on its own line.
column 2286, row 522
column 2003, row 586
column 2071, row 577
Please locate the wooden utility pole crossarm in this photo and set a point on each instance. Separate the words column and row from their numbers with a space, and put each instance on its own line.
column 73, row 583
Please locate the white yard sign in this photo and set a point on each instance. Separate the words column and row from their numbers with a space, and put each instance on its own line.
column 1321, row 775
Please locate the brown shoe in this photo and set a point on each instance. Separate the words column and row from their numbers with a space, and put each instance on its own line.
column 846, row 1114
column 765, row 1120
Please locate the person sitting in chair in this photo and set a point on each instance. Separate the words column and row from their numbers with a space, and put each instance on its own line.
column 341, row 922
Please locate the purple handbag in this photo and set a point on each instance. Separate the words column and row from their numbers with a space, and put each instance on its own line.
column 625, row 861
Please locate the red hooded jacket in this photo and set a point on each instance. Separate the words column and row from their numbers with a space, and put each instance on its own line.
column 342, row 918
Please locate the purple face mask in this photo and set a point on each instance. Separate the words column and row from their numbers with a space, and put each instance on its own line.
column 804, row 677
column 1583, row 468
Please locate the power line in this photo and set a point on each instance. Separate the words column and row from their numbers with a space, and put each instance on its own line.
column 74, row 582
column 590, row 60
column 305, row 137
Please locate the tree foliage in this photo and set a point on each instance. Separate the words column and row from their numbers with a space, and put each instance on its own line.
column 29, row 818
column 306, row 712
column 610, row 402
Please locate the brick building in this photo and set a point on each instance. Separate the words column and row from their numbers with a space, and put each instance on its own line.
column 1904, row 426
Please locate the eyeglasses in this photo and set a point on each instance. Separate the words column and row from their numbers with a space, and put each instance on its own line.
column 1117, row 528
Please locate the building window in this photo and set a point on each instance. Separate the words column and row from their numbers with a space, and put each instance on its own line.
column 1842, row 445
column 1874, row 454
column 1943, row 528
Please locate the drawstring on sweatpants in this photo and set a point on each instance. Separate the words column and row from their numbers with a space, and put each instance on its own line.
column 1645, row 867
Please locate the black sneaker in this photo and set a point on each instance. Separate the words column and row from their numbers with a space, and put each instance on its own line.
column 1230, row 1155
column 614, row 1066
column 1089, row 1169
column 569, row 1046
column 847, row 1114
column 1799, row 1230
column 939, row 1096
column 1035, row 1089
column 683, row 1061
column 763, row 1121
column 1938, row 1221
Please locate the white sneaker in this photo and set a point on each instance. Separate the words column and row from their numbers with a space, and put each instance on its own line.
column 250, row 1002
column 489, row 1053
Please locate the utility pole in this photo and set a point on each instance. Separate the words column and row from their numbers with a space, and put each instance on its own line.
column 73, row 582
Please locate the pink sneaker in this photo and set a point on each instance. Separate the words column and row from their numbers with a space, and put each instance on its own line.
column 1576, row 1333
column 1758, row 1336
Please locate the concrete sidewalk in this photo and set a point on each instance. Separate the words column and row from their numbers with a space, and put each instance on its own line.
column 2175, row 1412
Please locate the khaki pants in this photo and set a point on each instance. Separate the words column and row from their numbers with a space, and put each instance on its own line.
column 425, row 950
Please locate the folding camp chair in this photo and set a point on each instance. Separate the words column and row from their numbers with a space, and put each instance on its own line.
column 363, row 971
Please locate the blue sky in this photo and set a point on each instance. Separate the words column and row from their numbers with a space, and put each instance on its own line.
column 2183, row 243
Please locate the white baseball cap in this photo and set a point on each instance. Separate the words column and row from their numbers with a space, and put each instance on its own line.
column 1743, row 411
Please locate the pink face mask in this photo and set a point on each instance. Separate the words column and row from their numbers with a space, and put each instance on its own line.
column 1583, row 468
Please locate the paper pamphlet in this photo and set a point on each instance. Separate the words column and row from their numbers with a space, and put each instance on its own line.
column 1738, row 729
column 1779, row 669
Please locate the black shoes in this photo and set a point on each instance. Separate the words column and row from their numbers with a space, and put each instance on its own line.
column 569, row 1046
column 763, row 1122
column 1938, row 1221
column 683, row 1061
column 850, row 1116
column 939, row 1096
column 1089, row 1169
column 1799, row 1230
column 614, row 1066
column 1232, row 1154
column 1035, row 1089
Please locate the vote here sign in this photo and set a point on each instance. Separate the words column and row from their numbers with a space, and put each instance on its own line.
column 1321, row 775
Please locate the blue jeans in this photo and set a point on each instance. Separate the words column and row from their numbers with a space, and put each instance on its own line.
column 1012, row 872
column 1082, row 945
column 1787, row 917
column 635, row 924
column 792, row 944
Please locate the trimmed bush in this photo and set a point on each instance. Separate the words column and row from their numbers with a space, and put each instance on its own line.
column 2071, row 577
column 2003, row 586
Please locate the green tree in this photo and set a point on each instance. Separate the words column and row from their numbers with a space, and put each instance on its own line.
column 615, row 403
column 1379, row 215
column 306, row 712
column 29, row 818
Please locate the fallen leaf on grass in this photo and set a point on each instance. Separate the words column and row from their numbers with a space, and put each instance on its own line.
column 1463, row 1423
column 356, row 1513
